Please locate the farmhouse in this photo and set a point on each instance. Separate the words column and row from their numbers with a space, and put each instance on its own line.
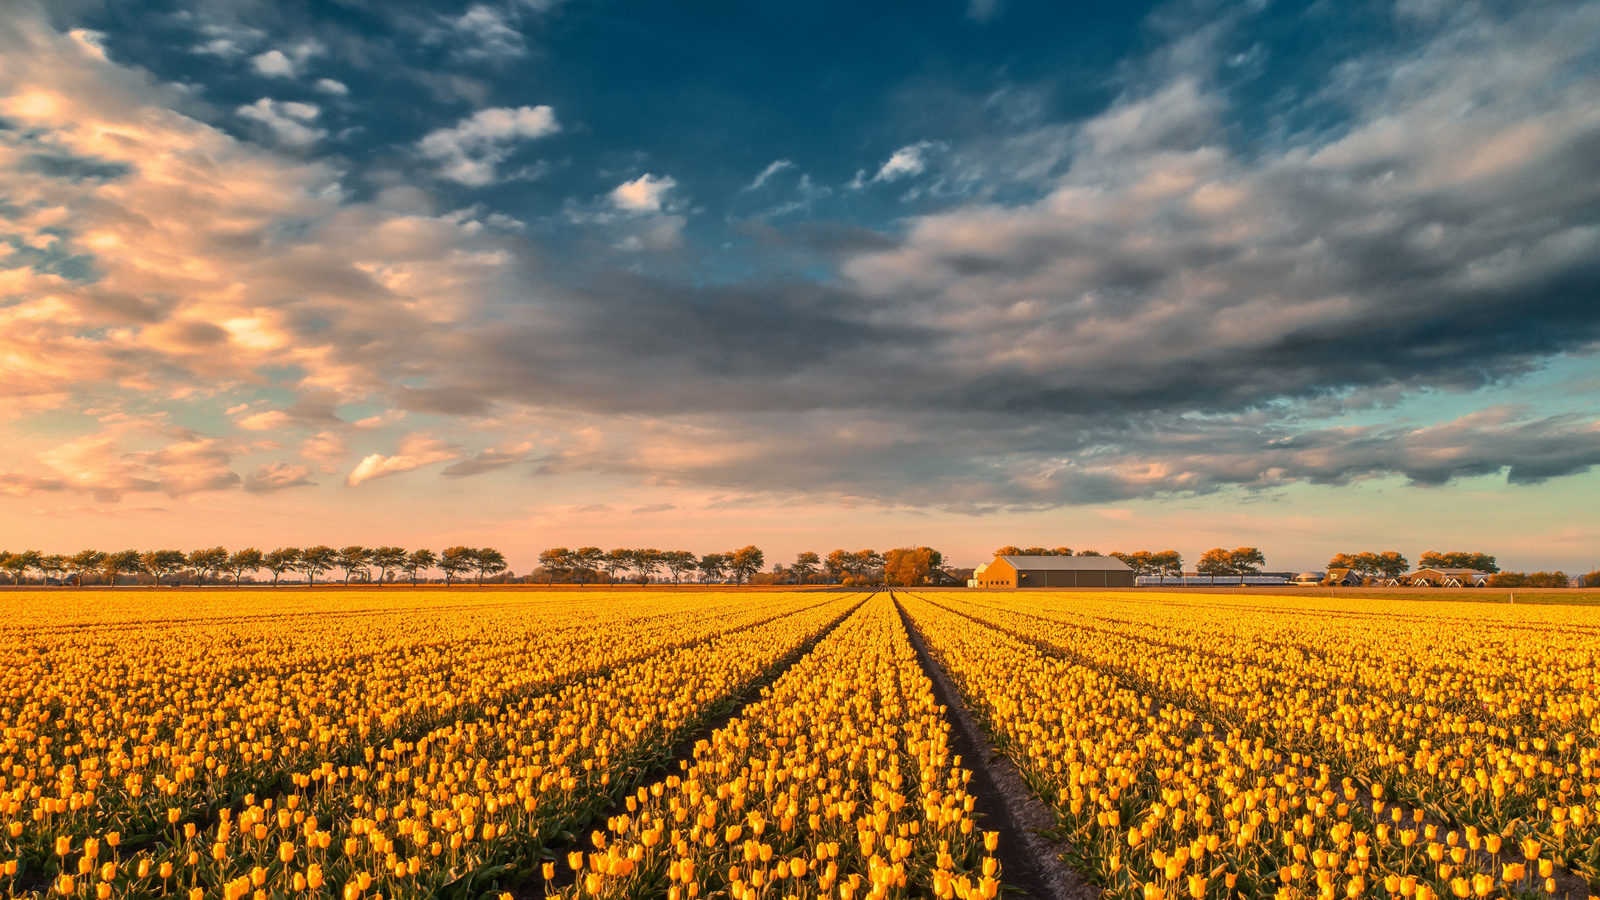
column 1053, row 571
column 1451, row 578
column 1344, row 577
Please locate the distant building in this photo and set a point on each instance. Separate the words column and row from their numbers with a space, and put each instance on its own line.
column 1451, row 578
column 1053, row 571
column 1344, row 578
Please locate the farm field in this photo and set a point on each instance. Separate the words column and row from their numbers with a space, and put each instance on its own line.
column 1264, row 746
column 400, row 743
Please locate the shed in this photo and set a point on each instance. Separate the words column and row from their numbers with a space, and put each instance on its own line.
column 1054, row 571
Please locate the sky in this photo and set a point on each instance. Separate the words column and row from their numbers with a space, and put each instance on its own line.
column 1313, row 277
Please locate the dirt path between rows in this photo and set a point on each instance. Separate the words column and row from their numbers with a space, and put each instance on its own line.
column 1029, row 862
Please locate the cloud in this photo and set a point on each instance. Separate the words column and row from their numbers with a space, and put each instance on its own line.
column 278, row 64
column 1166, row 270
column 470, row 151
column 330, row 86
column 490, row 459
column 273, row 63
column 181, row 462
column 777, row 165
column 151, row 256
column 17, row 484
column 90, row 41
column 276, row 477
column 271, row 420
column 485, row 33
column 228, row 39
column 905, row 162
column 326, row 448
column 287, row 120
column 1158, row 299
column 314, row 409
column 387, row 417
column 987, row 463
column 643, row 194
column 416, row 451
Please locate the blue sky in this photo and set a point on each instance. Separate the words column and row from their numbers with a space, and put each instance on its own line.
column 1176, row 274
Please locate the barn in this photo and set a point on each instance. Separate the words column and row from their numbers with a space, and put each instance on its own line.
column 1053, row 572
column 1452, row 578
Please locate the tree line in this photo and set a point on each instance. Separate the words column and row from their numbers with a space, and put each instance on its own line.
column 587, row 563
column 902, row 566
column 216, row 562
column 906, row 566
column 1391, row 564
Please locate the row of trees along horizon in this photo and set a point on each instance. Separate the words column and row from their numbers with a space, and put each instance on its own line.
column 1390, row 564
column 905, row 566
column 219, row 564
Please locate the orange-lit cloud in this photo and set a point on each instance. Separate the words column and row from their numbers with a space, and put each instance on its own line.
column 416, row 451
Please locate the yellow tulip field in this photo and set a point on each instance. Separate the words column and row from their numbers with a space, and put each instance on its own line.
column 839, row 782
column 381, row 743
column 1212, row 747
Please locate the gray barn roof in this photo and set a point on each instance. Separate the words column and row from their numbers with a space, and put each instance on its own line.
column 1080, row 563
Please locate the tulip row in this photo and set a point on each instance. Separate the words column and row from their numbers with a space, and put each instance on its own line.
column 839, row 782
column 1162, row 793
column 333, row 711
column 1432, row 730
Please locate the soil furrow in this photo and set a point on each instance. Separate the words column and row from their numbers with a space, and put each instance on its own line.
column 1029, row 861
